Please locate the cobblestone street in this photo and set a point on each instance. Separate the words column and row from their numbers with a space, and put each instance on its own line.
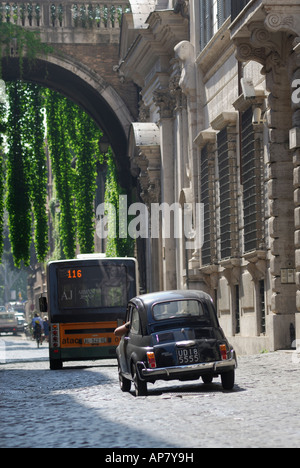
column 82, row 406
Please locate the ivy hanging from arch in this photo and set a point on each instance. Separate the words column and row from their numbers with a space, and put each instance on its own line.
column 2, row 164
column 18, row 177
column 73, row 142
column 116, row 246
column 61, row 160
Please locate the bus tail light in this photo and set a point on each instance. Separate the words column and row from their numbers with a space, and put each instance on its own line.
column 151, row 360
column 54, row 335
column 223, row 351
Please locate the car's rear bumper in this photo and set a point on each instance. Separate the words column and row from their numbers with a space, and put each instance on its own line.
column 169, row 373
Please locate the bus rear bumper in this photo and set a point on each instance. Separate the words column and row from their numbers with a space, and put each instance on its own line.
column 82, row 354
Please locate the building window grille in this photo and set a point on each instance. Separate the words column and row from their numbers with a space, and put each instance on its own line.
column 250, row 180
column 225, row 194
column 237, row 310
column 262, row 306
column 206, row 248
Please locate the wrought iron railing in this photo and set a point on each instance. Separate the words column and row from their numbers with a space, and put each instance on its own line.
column 64, row 14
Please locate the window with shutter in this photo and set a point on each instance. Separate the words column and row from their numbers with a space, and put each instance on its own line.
column 225, row 195
column 206, row 29
column 210, row 16
column 251, row 181
column 206, row 248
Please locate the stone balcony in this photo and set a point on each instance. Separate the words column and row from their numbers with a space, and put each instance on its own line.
column 64, row 21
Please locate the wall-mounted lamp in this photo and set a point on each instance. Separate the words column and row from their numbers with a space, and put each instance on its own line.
column 257, row 118
column 248, row 88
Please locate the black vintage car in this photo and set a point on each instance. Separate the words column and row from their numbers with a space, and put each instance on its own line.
column 173, row 335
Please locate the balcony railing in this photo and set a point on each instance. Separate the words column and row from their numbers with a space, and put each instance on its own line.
column 64, row 14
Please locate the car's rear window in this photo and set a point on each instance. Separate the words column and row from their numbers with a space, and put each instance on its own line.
column 179, row 309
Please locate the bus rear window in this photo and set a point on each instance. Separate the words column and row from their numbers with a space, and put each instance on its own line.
column 92, row 286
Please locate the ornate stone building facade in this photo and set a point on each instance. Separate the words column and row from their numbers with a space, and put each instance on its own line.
column 219, row 125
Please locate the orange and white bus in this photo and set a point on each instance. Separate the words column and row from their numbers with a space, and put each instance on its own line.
column 87, row 300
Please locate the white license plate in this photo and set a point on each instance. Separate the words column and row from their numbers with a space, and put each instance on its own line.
column 94, row 340
column 188, row 356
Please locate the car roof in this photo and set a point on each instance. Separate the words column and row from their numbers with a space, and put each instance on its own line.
column 165, row 296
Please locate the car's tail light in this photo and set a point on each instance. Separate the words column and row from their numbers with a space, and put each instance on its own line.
column 223, row 351
column 54, row 335
column 151, row 360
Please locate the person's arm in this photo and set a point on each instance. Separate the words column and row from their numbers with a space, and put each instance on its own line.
column 122, row 330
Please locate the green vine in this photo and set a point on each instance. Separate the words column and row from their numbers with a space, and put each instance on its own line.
column 2, row 169
column 116, row 246
column 24, row 41
column 84, row 139
column 38, row 167
column 61, row 159
column 18, row 177
column 26, row 172
column 73, row 142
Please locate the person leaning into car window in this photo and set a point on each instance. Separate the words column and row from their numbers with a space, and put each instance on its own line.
column 122, row 330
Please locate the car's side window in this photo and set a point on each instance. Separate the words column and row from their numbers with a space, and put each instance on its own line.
column 135, row 321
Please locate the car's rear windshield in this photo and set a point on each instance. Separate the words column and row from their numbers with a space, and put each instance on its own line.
column 181, row 309
column 8, row 317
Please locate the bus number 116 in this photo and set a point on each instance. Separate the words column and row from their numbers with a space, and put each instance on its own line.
column 74, row 274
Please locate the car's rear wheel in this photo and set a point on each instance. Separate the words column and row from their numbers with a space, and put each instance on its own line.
column 125, row 384
column 139, row 385
column 227, row 379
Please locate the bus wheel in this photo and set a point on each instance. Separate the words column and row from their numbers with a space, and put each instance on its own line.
column 56, row 364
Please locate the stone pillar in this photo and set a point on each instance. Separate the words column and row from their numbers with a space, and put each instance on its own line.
column 166, row 103
column 181, row 162
column 295, row 147
column 184, row 51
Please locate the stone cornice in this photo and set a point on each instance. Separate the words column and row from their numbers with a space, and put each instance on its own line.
column 205, row 136
column 165, row 30
column 224, row 119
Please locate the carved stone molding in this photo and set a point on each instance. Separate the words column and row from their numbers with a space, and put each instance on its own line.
column 205, row 136
column 256, row 264
column 182, row 7
column 145, row 159
column 224, row 119
column 166, row 103
column 210, row 275
column 174, row 87
column 278, row 19
column 231, row 270
column 185, row 52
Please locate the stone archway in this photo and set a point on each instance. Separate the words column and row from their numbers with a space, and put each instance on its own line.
column 88, row 90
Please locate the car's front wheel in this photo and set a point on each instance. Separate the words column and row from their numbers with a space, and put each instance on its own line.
column 139, row 385
column 227, row 379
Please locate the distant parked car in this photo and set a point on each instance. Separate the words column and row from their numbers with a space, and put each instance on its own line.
column 173, row 335
column 8, row 323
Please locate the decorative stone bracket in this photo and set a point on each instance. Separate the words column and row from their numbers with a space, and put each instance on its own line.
column 256, row 264
column 145, row 158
